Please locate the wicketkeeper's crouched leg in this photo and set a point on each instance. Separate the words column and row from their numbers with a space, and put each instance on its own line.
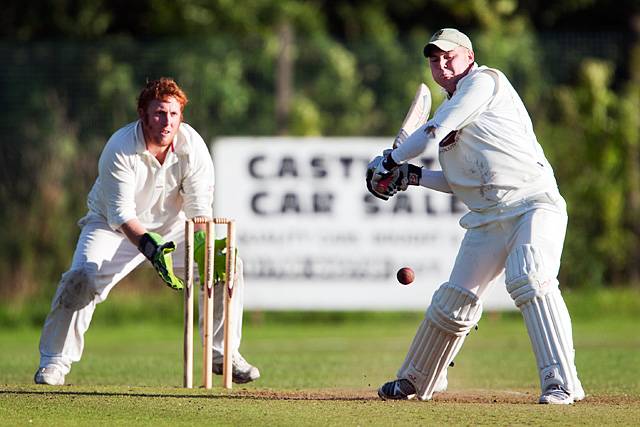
column 62, row 339
column 453, row 312
column 101, row 259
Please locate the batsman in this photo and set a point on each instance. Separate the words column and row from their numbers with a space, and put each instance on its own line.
column 492, row 162
column 152, row 174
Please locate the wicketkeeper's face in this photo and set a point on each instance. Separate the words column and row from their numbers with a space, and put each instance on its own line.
column 161, row 121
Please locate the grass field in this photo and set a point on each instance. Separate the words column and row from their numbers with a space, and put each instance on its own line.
column 324, row 370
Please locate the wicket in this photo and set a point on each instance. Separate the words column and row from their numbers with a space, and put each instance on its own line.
column 207, row 289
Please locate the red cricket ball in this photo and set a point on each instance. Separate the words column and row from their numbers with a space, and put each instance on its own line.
column 406, row 275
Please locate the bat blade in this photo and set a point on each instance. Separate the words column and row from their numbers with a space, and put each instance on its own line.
column 416, row 116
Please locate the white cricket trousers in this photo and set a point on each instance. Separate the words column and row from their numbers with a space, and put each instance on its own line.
column 484, row 250
column 528, row 248
column 102, row 258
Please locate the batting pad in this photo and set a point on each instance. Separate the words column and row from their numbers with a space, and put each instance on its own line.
column 450, row 317
column 536, row 293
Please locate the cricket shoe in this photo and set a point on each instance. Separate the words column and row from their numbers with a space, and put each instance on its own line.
column 556, row 395
column 397, row 390
column 242, row 371
column 49, row 375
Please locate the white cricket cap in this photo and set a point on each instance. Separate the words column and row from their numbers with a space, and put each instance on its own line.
column 447, row 39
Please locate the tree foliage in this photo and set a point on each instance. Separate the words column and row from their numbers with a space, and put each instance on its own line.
column 71, row 79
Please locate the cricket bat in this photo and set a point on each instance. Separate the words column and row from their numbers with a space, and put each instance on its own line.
column 416, row 116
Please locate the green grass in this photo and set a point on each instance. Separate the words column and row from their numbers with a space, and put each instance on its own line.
column 323, row 370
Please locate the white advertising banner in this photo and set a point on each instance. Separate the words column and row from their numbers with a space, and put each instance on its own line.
column 313, row 238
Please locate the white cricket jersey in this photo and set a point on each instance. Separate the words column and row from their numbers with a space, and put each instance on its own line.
column 488, row 151
column 132, row 183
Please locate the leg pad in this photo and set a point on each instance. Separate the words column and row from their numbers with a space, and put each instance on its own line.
column 536, row 293
column 450, row 317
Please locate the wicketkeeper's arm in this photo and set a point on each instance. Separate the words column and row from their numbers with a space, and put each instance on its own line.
column 152, row 246
column 134, row 231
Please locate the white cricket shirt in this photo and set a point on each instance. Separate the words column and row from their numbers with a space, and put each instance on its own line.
column 488, row 151
column 132, row 183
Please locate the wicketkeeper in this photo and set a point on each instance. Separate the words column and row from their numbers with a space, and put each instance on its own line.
column 491, row 161
column 153, row 174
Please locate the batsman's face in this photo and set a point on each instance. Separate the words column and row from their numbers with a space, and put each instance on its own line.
column 447, row 68
column 160, row 121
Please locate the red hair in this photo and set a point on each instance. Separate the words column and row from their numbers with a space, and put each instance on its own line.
column 161, row 89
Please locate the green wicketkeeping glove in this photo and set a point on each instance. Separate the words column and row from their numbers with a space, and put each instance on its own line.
column 158, row 252
column 220, row 262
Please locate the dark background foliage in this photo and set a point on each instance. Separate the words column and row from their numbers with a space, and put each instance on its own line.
column 72, row 69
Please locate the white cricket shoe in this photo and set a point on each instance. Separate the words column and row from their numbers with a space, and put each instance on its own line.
column 242, row 371
column 49, row 375
column 556, row 395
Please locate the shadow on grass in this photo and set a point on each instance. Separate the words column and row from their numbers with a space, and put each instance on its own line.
column 346, row 395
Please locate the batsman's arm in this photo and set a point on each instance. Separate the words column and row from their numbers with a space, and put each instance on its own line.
column 470, row 100
column 408, row 175
column 435, row 180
